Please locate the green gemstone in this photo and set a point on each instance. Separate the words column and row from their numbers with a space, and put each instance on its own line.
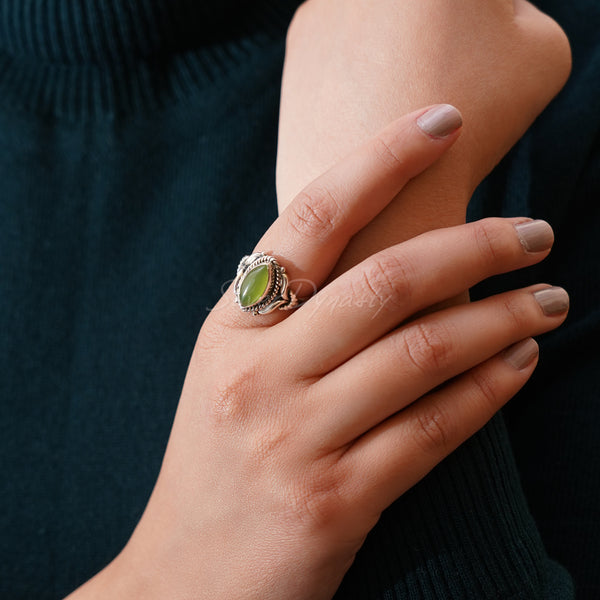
column 254, row 286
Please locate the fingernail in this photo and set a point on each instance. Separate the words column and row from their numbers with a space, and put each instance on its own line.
column 440, row 121
column 521, row 354
column 554, row 300
column 535, row 236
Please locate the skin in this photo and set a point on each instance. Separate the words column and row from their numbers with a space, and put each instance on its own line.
column 352, row 66
column 276, row 469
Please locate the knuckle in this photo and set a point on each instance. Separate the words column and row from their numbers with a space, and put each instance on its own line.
column 433, row 430
column 386, row 154
column 490, row 237
column 315, row 213
column 246, row 401
column 516, row 311
column 316, row 497
column 387, row 282
column 486, row 388
column 429, row 346
column 229, row 401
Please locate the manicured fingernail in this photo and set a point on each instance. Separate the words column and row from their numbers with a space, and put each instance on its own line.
column 521, row 354
column 535, row 236
column 440, row 121
column 554, row 301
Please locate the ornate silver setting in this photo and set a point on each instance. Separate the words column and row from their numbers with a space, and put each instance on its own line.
column 277, row 293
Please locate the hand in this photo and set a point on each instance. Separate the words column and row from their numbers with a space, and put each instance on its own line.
column 354, row 65
column 295, row 430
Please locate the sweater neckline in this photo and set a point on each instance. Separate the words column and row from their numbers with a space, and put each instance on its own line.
column 106, row 57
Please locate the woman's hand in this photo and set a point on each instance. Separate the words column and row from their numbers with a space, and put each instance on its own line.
column 354, row 65
column 295, row 430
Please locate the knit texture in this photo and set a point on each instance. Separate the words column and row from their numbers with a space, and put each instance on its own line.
column 137, row 154
column 91, row 59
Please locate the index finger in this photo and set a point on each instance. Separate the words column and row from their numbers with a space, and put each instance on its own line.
column 311, row 234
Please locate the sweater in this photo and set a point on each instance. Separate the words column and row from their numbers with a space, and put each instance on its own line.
column 137, row 155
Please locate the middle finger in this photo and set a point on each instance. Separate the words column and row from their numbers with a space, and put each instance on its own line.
column 389, row 287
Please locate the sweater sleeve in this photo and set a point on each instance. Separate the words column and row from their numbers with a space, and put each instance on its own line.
column 463, row 532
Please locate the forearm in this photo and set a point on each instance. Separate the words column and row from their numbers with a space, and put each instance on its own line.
column 437, row 198
column 351, row 67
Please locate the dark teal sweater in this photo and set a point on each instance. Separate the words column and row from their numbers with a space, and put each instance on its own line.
column 137, row 153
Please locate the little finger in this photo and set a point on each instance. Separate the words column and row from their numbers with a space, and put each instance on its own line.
column 394, row 456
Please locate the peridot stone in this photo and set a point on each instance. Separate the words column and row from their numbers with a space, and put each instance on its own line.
column 254, row 286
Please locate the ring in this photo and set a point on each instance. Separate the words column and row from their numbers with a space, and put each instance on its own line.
column 261, row 285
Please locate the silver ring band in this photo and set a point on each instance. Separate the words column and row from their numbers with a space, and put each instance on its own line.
column 261, row 285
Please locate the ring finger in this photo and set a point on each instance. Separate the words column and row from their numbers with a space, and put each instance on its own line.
column 418, row 357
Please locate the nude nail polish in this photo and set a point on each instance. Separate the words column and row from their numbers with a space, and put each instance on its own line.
column 521, row 354
column 554, row 300
column 535, row 236
column 440, row 121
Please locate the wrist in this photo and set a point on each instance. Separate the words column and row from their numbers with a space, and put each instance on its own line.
column 145, row 569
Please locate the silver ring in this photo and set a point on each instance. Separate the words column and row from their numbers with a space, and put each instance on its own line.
column 261, row 285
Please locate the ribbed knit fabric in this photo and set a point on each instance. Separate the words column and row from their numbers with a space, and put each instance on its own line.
column 90, row 59
column 137, row 153
column 424, row 547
